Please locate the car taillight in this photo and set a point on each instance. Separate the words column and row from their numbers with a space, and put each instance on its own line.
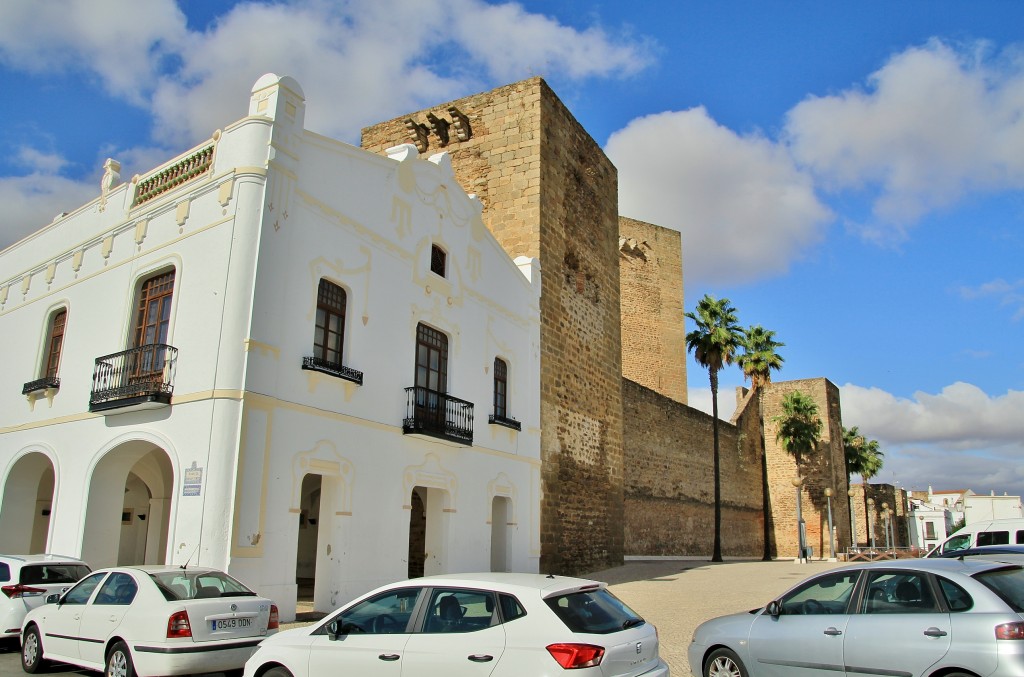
column 16, row 591
column 1010, row 631
column 571, row 656
column 274, row 622
column 178, row 625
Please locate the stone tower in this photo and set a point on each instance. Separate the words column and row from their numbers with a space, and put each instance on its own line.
column 549, row 191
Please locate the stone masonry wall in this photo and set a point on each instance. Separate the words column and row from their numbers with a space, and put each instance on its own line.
column 826, row 468
column 653, row 329
column 549, row 192
column 669, row 481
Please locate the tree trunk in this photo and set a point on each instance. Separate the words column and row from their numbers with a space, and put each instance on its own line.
column 716, row 555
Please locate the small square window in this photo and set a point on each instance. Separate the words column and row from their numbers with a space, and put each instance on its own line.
column 438, row 260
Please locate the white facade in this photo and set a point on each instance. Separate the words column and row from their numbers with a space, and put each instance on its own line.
column 928, row 524
column 264, row 461
column 971, row 507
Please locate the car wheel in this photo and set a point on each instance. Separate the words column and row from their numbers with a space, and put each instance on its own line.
column 277, row 672
column 32, row 651
column 119, row 661
column 724, row 663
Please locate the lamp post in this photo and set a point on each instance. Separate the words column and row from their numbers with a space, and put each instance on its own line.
column 831, row 541
column 885, row 524
column 853, row 520
column 797, row 481
column 871, row 522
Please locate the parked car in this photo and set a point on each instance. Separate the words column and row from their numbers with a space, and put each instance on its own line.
column 149, row 620
column 913, row 617
column 26, row 580
column 1006, row 553
column 502, row 625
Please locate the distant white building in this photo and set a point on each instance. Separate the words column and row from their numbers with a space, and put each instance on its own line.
column 970, row 507
column 277, row 354
column 928, row 523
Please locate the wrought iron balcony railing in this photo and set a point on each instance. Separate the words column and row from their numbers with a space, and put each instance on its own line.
column 44, row 383
column 434, row 414
column 137, row 378
column 339, row 370
column 506, row 421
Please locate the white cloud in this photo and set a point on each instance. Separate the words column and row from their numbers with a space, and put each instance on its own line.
column 37, row 160
column 120, row 41
column 744, row 210
column 1009, row 294
column 958, row 438
column 933, row 124
column 31, row 202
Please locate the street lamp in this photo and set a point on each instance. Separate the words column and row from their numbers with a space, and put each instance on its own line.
column 831, row 542
column 885, row 524
column 800, row 534
column 871, row 522
column 853, row 520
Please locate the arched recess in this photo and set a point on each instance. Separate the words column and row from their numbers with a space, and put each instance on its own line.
column 501, row 494
column 321, row 499
column 26, row 505
column 128, row 511
column 431, row 490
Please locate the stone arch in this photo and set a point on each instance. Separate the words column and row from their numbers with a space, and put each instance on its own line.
column 26, row 503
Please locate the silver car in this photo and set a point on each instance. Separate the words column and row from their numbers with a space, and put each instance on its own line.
column 913, row 618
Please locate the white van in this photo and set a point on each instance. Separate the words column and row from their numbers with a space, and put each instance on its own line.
column 988, row 532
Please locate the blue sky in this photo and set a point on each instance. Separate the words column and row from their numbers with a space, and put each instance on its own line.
column 849, row 175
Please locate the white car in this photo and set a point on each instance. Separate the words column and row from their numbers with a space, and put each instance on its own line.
column 149, row 620
column 26, row 580
column 502, row 625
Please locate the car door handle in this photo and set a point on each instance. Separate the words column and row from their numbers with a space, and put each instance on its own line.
column 832, row 632
column 480, row 658
column 934, row 632
column 389, row 657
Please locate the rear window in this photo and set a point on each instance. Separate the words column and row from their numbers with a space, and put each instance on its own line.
column 185, row 584
column 42, row 574
column 1008, row 584
column 594, row 612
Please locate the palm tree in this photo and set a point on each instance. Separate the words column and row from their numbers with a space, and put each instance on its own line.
column 713, row 344
column 759, row 357
column 799, row 432
column 863, row 457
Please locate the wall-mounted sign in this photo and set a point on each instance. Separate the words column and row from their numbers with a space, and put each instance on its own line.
column 193, row 481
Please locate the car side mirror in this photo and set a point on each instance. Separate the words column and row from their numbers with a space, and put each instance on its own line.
column 333, row 631
column 53, row 598
column 774, row 609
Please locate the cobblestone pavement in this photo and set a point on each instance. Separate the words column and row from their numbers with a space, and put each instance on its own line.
column 677, row 596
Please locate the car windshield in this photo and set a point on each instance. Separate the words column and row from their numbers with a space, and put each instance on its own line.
column 184, row 584
column 593, row 611
column 1008, row 584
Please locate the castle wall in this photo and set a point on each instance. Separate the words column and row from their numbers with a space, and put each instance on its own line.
column 653, row 329
column 549, row 192
column 669, row 478
column 826, row 468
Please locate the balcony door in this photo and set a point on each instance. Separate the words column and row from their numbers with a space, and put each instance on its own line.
column 431, row 376
column 152, row 320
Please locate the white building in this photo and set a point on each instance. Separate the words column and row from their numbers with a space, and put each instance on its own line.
column 928, row 523
column 277, row 354
column 970, row 507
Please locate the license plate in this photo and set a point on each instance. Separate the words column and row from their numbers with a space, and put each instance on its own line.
column 230, row 623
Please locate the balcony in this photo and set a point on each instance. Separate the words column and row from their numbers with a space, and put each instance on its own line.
column 41, row 384
column 438, row 415
column 332, row 369
column 134, row 379
column 507, row 421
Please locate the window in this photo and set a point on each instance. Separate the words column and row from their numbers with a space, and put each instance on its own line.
column 829, row 594
column 386, row 614
column 81, row 593
column 593, row 612
column 511, row 609
column 993, row 538
column 431, row 359
column 1020, row 537
column 55, row 343
column 500, row 388
column 957, row 599
column 900, row 592
column 460, row 611
column 929, row 530
column 153, row 313
column 119, row 589
column 438, row 260
column 329, row 336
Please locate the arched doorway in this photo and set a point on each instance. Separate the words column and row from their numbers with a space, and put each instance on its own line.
column 26, row 505
column 428, row 532
column 309, row 536
column 501, row 510
column 129, row 506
